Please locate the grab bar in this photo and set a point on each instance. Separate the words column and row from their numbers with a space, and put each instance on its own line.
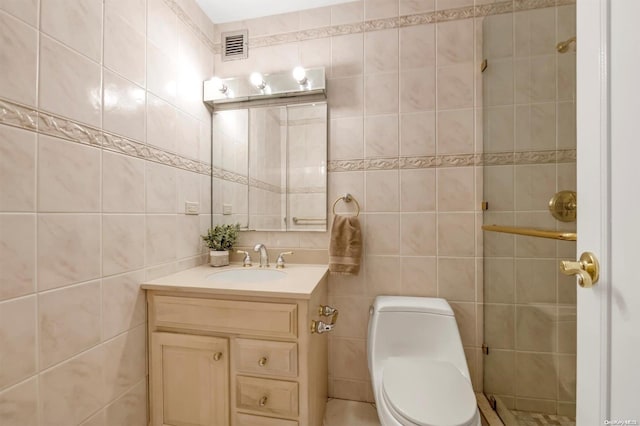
column 532, row 232
column 309, row 220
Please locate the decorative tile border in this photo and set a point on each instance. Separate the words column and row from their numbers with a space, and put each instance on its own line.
column 457, row 160
column 402, row 21
column 43, row 122
column 186, row 19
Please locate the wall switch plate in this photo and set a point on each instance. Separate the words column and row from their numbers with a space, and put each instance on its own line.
column 227, row 209
column 191, row 207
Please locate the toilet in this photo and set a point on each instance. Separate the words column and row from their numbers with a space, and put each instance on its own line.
column 417, row 365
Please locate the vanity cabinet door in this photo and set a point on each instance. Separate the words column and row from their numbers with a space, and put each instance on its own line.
column 189, row 380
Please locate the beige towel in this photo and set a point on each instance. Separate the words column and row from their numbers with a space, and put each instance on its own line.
column 345, row 247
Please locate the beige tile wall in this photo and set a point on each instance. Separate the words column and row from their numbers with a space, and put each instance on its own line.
column 89, row 206
column 393, row 92
column 530, row 323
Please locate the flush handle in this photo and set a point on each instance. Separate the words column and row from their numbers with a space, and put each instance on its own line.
column 587, row 269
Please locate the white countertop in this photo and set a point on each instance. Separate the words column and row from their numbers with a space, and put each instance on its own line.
column 299, row 282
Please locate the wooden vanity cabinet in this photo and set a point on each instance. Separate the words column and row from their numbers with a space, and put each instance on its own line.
column 219, row 359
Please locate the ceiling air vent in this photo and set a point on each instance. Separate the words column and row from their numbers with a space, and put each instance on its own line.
column 234, row 45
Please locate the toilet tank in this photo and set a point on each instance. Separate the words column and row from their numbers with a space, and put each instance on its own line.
column 414, row 327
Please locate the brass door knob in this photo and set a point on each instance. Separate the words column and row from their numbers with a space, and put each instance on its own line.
column 263, row 361
column 217, row 356
column 587, row 269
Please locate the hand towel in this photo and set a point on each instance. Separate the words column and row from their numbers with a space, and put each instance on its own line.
column 345, row 247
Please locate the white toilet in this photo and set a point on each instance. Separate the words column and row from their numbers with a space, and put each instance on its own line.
column 417, row 365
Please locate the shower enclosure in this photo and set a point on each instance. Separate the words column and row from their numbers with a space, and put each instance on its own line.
column 529, row 351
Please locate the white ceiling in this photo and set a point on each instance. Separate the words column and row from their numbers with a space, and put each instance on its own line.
column 220, row 11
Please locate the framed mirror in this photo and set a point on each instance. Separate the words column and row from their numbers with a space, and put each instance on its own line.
column 270, row 167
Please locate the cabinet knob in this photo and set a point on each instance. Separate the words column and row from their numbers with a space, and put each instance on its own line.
column 262, row 361
column 217, row 356
column 263, row 401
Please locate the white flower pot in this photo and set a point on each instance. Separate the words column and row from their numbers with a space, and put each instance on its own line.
column 219, row 258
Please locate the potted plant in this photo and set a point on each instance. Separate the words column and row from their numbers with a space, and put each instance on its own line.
column 220, row 240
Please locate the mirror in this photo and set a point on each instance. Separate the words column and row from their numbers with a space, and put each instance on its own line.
column 270, row 167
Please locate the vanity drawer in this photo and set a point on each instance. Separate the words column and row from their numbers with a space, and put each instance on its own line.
column 264, row 357
column 268, row 396
column 249, row 420
column 228, row 316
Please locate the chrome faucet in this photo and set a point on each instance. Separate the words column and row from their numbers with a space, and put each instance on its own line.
column 264, row 256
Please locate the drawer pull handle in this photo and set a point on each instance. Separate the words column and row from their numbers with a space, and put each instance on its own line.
column 263, row 361
column 217, row 356
column 263, row 401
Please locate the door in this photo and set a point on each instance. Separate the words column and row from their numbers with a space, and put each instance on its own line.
column 189, row 380
column 608, row 113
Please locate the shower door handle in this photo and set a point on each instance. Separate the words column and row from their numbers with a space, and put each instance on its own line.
column 587, row 269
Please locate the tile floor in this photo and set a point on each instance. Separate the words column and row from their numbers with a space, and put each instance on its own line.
column 341, row 412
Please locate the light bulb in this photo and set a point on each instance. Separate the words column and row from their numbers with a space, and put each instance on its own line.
column 257, row 80
column 300, row 75
column 219, row 84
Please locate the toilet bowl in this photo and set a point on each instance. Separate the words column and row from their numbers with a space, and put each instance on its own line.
column 417, row 365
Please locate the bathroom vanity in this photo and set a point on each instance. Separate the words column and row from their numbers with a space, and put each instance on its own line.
column 233, row 346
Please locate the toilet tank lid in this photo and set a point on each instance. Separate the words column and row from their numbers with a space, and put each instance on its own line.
column 429, row 305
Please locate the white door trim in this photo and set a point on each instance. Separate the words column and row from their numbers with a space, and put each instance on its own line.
column 594, row 195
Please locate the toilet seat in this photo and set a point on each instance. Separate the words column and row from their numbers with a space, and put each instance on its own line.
column 420, row 391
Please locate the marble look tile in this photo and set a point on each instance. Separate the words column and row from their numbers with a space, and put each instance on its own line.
column 17, row 167
column 188, row 189
column 456, row 234
column 69, row 322
column 456, row 189
column 19, row 404
column 68, row 249
column 382, row 190
column 455, row 86
column 455, row 131
column 455, row 42
column 347, row 55
column 418, row 134
column 130, row 409
column 381, row 51
column 346, row 141
column 17, row 341
column 26, row 10
column 122, row 243
column 124, row 107
column 535, row 280
column 417, row 46
column 345, row 96
column 382, row 234
column 419, row 276
column 465, row 314
column 381, row 136
column 348, row 359
column 381, row 274
column 536, row 375
column 68, row 176
column 356, row 314
column 341, row 412
column 410, row 7
column 161, row 188
column 456, row 279
column 534, row 186
column 18, row 55
column 124, row 46
column 123, row 303
column 160, row 239
column 418, row 90
column 499, row 372
column 132, row 11
column 130, row 351
column 162, row 73
column 187, row 135
column 417, row 190
column 341, row 183
column 315, row 18
column 73, row 390
column 205, row 194
column 162, row 28
column 347, row 13
column 77, row 25
column 536, row 328
column 354, row 390
column 69, row 83
column 379, row 9
column 499, row 281
column 97, row 419
column 381, row 94
column 123, row 184
column 499, row 187
column 17, row 255
column 161, row 123
column 188, row 238
column 418, row 234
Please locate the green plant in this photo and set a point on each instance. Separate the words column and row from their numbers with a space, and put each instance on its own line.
column 222, row 237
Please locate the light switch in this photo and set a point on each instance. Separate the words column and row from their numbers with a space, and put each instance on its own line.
column 227, row 209
column 191, row 207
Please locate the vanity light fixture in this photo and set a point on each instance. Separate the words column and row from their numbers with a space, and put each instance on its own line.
column 219, row 84
column 257, row 80
column 300, row 76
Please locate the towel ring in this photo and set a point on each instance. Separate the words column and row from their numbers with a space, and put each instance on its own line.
column 347, row 198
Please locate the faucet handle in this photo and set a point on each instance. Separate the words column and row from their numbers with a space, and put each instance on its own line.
column 280, row 261
column 247, row 258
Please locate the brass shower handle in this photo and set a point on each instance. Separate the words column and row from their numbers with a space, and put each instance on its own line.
column 587, row 269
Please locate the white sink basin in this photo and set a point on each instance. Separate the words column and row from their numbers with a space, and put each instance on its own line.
column 247, row 275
